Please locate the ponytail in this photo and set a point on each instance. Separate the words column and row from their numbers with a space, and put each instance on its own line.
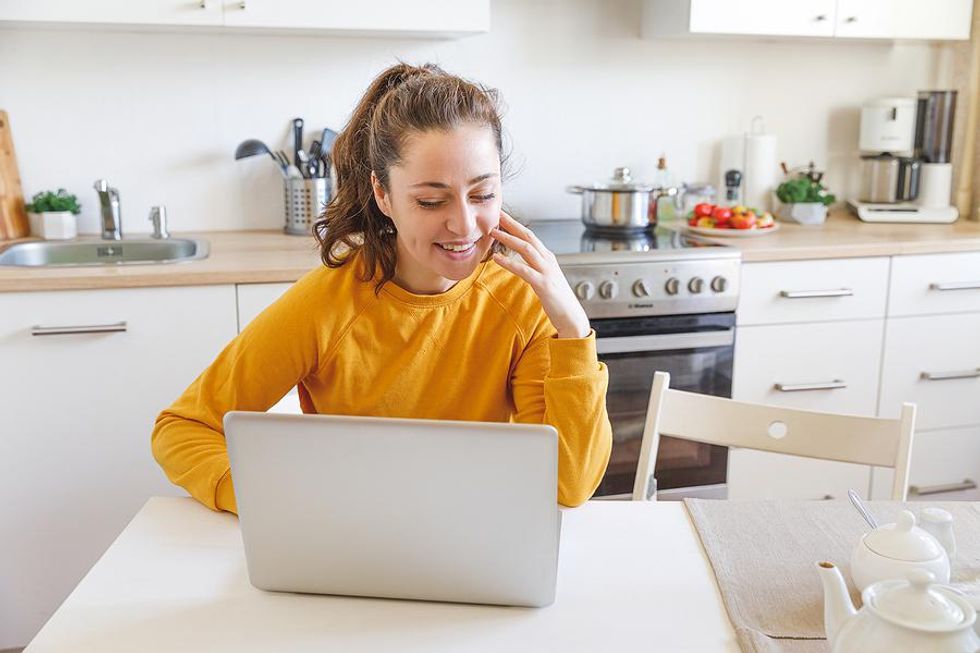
column 401, row 100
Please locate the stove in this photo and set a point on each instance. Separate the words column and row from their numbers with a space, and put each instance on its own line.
column 658, row 300
column 660, row 272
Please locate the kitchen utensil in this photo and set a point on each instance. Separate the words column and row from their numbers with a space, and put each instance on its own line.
column 13, row 214
column 733, row 182
column 861, row 508
column 892, row 550
column 304, row 163
column 326, row 140
column 297, row 140
column 621, row 204
column 315, row 159
column 251, row 147
column 913, row 613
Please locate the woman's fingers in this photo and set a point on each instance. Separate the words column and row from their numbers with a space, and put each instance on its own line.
column 523, row 247
column 518, row 267
column 513, row 227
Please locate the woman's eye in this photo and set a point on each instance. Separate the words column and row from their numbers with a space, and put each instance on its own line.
column 484, row 198
column 428, row 204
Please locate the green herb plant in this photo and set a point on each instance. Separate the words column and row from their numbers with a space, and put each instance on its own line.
column 47, row 202
column 804, row 189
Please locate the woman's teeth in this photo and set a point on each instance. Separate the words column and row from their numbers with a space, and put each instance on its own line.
column 457, row 248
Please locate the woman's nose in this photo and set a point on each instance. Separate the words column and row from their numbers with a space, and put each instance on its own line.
column 462, row 220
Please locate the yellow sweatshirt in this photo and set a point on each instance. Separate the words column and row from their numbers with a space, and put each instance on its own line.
column 482, row 351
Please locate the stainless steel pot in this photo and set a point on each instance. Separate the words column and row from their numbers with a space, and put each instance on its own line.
column 620, row 204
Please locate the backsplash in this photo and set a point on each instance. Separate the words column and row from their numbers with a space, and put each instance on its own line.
column 584, row 94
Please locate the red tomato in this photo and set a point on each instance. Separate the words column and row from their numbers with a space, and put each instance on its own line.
column 743, row 221
column 703, row 210
column 722, row 215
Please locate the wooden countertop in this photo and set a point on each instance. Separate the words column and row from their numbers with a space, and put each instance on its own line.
column 845, row 236
column 271, row 256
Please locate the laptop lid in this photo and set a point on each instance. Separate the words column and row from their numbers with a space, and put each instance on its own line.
column 399, row 508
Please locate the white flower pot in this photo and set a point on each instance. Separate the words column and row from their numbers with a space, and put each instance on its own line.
column 53, row 225
column 803, row 212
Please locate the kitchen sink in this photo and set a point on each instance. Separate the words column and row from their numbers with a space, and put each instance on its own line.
column 128, row 251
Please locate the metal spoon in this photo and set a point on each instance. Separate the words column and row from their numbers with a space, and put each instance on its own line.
column 251, row 147
column 861, row 508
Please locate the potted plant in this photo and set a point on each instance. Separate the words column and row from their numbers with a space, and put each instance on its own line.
column 52, row 215
column 803, row 198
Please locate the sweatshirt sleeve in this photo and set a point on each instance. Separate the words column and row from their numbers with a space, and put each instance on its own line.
column 560, row 381
column 254, row 371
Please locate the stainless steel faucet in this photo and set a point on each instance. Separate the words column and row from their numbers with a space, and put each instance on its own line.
column 111, row 212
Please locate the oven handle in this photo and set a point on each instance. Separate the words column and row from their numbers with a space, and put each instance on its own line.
column 665, row 342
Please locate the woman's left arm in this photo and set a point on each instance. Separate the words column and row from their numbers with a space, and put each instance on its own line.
column 559, row 380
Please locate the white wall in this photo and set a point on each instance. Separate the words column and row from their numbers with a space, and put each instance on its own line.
column 159, row 114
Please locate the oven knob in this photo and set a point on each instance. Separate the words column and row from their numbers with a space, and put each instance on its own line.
column 584, row 290
column 672, row 286
column 695, row 285
column 719, row 284
column 640, row 288
column 608, row 289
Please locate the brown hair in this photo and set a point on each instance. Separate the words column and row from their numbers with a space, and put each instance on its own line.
column 401, row 100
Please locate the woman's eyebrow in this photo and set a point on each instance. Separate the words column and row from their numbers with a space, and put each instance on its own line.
column 439, row 184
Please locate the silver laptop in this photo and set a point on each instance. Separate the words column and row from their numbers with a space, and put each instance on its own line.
column 398, row 508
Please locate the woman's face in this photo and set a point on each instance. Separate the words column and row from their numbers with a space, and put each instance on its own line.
column 444, row 198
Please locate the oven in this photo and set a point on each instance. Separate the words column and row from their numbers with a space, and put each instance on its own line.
column 697, row 351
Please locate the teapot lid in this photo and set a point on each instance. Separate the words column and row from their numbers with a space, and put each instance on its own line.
column 919, row 603
column 902, row 541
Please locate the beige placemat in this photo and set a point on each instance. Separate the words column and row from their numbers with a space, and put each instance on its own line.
column 764, row 554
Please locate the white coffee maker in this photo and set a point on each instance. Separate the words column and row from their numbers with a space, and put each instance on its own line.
column 906, row 174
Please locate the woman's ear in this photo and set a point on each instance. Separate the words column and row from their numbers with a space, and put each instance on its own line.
column 380, row 195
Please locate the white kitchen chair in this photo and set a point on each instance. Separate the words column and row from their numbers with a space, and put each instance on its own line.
column 829, row 436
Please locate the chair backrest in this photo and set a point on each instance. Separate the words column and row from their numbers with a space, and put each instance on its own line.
column 828, row 436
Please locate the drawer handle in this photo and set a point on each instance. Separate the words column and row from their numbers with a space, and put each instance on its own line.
column 117, row 327
column 921, row 490
column 956, row 285
column 808, row 294
column 803, row 387
column 945, row 376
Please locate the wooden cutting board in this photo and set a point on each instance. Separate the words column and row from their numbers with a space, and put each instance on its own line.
column 13, row 215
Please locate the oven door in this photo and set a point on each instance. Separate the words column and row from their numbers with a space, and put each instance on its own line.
column 697, row 351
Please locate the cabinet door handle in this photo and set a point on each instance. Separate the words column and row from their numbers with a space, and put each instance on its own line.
column 803, row 387
column 956, row 285
column 851, row 19
column 807, row 294
column 921, row 490
column 821, row 18
column 946, row 376
column 117, row 327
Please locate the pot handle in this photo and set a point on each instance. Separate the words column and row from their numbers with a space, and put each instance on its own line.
column 578, row 190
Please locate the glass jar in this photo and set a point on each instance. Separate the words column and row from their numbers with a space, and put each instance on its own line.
column 691, row 195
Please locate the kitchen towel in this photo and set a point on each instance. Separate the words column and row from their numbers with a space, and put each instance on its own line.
column 764, row 556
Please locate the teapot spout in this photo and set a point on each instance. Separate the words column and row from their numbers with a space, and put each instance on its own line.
column 837, row 606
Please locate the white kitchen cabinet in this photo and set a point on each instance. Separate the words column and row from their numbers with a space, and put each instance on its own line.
column 935, row 283
column 813, row 291
column 770, row 17
column 945, row 466
column 426, row 18
column 904, row 19
column 934, row 362
column 389, row 16
column 253, row 298
column 831, row 366
column 114, row 12
column 863, row 19
column 78, row 409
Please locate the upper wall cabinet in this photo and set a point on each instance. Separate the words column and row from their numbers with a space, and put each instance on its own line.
column 858, row 19
column 407, row 18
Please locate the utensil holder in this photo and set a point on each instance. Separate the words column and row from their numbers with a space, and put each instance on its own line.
column 304, row 200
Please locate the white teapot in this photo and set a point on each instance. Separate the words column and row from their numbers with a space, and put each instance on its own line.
column 891, row 551
column 898, row 615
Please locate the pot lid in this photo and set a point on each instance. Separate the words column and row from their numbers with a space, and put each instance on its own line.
column 919, row 603
column 621, row 180
column 903, row 541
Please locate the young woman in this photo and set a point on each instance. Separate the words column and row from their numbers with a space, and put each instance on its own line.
column 415, row 313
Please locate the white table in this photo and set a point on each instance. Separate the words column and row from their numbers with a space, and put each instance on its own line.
column 632, row 577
